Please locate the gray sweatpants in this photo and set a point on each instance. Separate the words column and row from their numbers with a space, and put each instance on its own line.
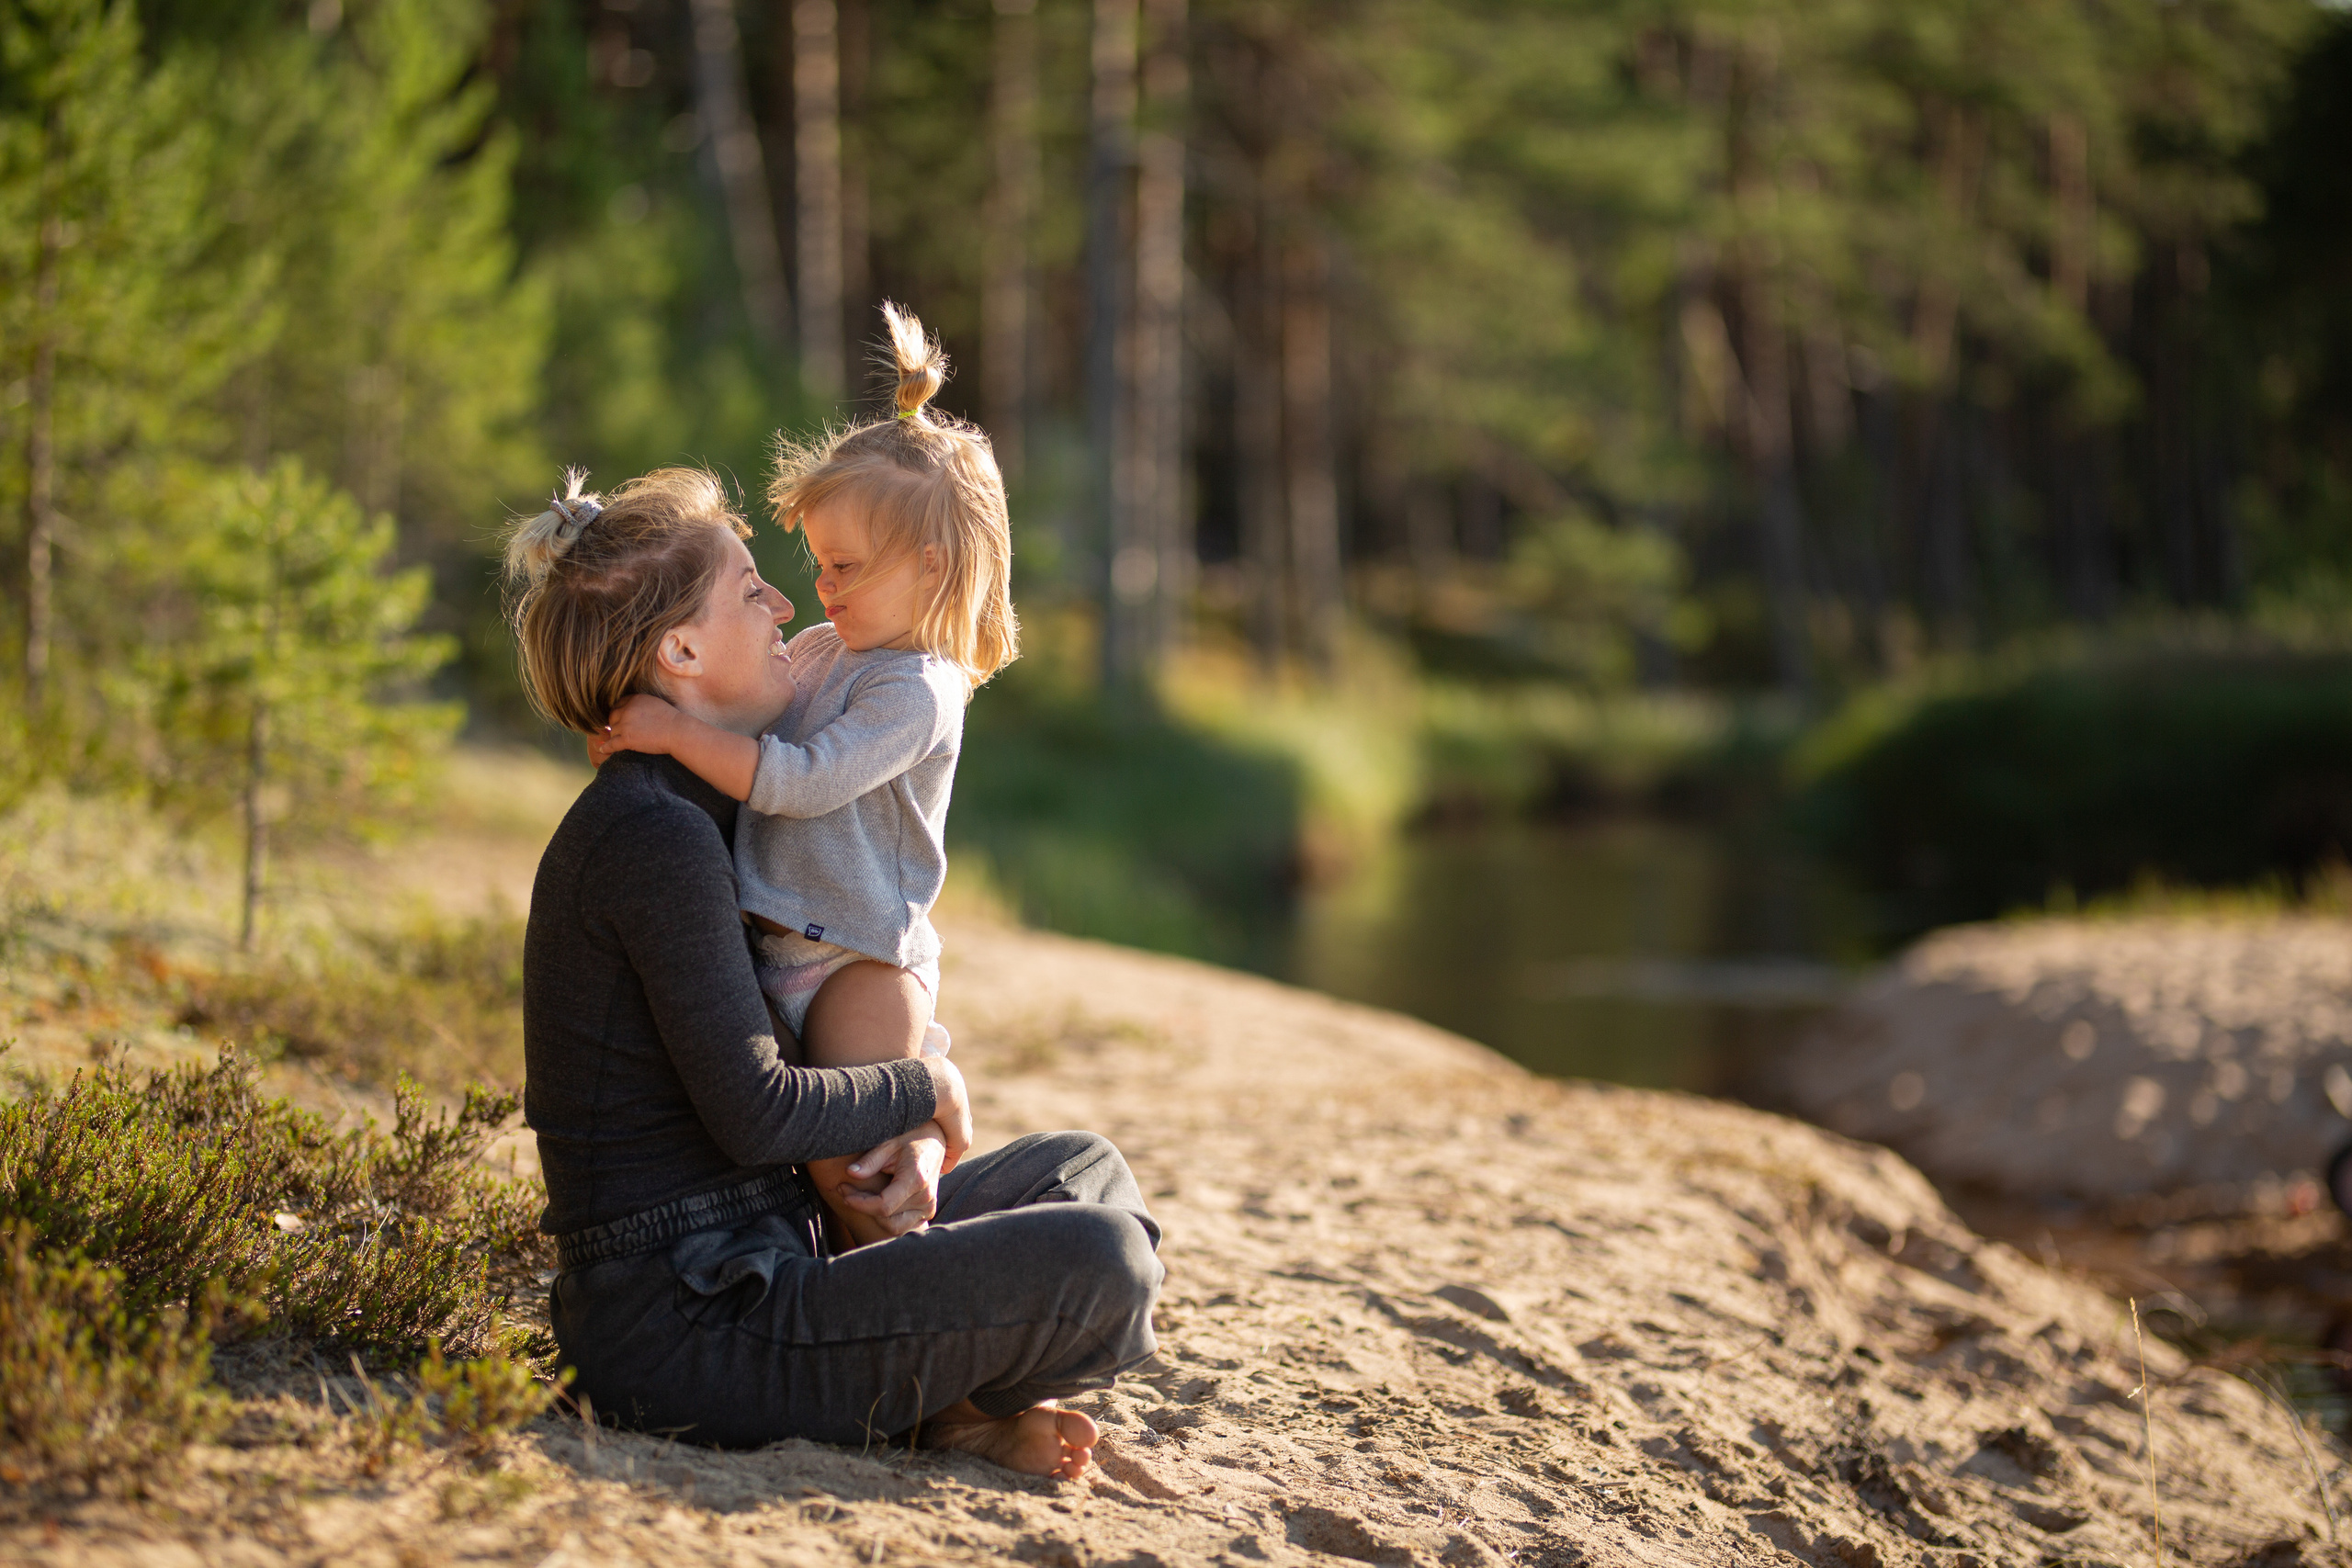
column 1035, row 1282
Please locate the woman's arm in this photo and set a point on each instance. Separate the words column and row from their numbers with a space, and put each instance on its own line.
column 666, row 882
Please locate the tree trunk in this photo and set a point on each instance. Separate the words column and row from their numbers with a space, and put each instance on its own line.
column 1430, row 550
column 41, row 468
column 734, row 145
column 1310, row 486
column 372, row 450
column 1127, row 566
column 2076, row 229
column 1012, row 210
column 856, row 47
column 1941, row 516
column 256, row 760
column 1771, row 444
column 1258, row 437
column 1165, row 525
column 816, row 189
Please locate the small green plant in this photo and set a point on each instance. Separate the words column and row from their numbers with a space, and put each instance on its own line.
column 388, row 1425
column 89, row 1388
column 468, row 1403
column 482, row 1399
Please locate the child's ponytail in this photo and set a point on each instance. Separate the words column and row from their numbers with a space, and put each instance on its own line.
column 921, row 363
column 923, row 481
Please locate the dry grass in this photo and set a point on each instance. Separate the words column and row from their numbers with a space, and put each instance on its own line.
column 160, row 1204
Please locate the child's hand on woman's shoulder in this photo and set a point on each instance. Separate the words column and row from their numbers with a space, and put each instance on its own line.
column 642, row 723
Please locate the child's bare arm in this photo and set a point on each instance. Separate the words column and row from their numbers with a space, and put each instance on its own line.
column 720, row 758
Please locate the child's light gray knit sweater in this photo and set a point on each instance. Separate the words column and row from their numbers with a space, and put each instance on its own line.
column 844, row 840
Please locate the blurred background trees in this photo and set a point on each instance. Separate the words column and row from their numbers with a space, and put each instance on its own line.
column 1468, row 364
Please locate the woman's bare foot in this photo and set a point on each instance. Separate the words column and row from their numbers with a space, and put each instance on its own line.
column 1042, row 1441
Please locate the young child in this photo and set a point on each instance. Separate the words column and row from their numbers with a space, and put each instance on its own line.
column 841, row 855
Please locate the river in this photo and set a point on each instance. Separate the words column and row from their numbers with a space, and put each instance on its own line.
column 1642, row 951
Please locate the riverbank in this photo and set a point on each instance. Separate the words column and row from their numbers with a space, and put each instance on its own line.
column 1421, row 1308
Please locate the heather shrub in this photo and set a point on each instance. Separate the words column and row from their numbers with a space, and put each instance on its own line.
column 192, row 1179
column 89, row 1387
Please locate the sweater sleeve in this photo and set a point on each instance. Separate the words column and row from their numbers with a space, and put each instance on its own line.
column 893, row 723
column 671, row 901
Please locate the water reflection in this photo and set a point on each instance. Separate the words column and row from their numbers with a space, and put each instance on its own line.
column 1646, row 953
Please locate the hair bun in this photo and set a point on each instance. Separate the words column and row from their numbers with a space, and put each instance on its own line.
column 915, row 358
column 537, row 543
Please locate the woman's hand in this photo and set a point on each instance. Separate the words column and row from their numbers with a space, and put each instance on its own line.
column 642, row 723
column 951, row 1108
column 913, row 1162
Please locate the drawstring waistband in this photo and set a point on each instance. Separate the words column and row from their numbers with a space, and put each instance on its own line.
column 783, row 1190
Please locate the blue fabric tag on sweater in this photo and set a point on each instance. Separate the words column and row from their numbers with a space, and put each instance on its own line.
column 814, row 933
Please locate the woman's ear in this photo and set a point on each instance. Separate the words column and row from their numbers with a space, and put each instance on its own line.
column 678, row 653
column 929, row 559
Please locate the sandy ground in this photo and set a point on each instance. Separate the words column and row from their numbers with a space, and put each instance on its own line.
column 2181, row 1067
column 1422, row 1308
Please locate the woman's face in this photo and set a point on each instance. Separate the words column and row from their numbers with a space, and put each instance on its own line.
column 726, row 666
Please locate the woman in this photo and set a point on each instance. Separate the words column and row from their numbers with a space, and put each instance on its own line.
column 697, row 1294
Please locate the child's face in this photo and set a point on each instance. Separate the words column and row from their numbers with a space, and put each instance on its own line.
column 871, row 603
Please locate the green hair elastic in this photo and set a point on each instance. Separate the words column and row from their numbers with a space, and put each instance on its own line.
column 909, row 413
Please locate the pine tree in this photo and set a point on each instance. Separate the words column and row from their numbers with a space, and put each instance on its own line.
column 296, row 662
column 115, row 309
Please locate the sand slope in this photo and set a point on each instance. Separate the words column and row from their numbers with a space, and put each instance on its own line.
column 2204, row 1064
column 1422, row 1309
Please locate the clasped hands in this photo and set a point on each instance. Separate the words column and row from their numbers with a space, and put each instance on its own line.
column 916, row 1161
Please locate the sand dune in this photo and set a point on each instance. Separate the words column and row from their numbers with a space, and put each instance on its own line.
column 1422, row 1309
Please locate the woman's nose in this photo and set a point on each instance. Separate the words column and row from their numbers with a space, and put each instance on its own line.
column 779, row 606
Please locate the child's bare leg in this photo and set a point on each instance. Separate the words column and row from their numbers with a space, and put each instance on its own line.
column 864, row 1012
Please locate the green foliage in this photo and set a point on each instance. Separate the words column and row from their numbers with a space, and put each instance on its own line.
column 243, row 240
column 2212, row 769
column 91, row 1389
column 404, row 363
column 192, row 1179
column 1588, row 594
column 103, row 167
column 294, row 637
column 1124, row 825
column 1530, row 747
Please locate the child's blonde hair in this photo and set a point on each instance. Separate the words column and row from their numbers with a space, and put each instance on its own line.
column 920, row 479
column 597, row 582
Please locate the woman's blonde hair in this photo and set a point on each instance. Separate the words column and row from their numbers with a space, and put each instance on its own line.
column 920, row 479
column 595, row 584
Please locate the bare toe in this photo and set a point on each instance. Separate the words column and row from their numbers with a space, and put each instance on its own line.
column 1041, row 1440
column 1078, row 1434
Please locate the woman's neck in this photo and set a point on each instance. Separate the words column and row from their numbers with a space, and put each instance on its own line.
column 687, row 700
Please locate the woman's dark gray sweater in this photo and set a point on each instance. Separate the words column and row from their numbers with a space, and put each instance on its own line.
column 652, row 1071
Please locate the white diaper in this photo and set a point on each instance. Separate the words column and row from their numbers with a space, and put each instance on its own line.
column 791, row 968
